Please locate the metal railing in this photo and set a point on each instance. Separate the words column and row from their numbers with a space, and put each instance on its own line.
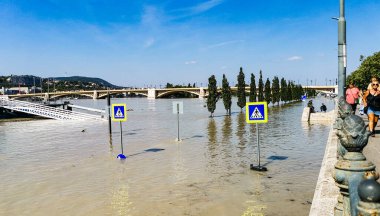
column 45, row 111
column 354, row 174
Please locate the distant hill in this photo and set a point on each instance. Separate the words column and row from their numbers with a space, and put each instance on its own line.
column 98, row 81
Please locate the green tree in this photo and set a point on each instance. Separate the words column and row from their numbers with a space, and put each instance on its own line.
column 212, row 95
column 241, row 90
column 276, row 90
column 289, row 91
column 252, row 89
column 284, row 90
column 260, row 95
column 268, row 92
column 226, row 95
column 369, row 67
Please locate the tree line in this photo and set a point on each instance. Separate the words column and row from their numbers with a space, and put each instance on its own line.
column 273, row 91
column 369, row 67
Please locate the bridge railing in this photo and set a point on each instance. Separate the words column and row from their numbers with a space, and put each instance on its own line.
column 45, row 111
column 354, row 174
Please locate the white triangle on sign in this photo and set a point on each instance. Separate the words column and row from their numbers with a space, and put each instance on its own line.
column 256, row 114
column 119, row 113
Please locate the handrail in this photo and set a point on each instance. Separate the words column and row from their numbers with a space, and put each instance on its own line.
column 45, row 111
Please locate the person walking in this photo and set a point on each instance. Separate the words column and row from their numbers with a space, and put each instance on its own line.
column 371, row 100
column 352, row 96
column 373, row 79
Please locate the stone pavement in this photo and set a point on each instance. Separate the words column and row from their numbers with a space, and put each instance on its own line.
column 372, row 150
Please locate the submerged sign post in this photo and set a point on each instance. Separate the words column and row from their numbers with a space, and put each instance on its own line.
column 257, row 113
column 178, row 109
column 119, row 114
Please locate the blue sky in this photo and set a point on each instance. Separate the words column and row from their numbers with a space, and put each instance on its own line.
column 141, row 43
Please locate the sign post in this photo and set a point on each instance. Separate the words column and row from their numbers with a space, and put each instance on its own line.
column 119, row 114
column 178, row 109
column 257, row 113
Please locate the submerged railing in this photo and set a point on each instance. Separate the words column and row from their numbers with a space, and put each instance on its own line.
column 354, row 174
column 45, row 111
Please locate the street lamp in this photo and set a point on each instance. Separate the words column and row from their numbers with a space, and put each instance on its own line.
column 342, row 50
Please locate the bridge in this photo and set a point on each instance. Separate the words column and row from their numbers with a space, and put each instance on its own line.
column 150, row 93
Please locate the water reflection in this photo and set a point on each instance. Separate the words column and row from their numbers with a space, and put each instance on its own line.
column 255, row 206
column 211, row 130
column 180, row 172
column 226, row 129
column 120, row 198
column 240, row 133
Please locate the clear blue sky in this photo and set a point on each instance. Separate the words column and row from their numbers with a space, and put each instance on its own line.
column 137, row 43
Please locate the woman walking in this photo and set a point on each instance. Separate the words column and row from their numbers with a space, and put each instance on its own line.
column 371, row 99
column 352, row 96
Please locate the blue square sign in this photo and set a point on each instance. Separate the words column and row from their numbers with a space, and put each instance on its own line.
column 119, row 112
column 256, row 112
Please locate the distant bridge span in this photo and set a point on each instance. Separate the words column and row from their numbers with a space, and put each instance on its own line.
column 150, row 93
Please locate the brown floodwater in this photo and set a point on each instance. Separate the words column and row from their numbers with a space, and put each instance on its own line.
column 50, row 167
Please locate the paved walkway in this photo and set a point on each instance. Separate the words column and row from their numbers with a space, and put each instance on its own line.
column 372, row 150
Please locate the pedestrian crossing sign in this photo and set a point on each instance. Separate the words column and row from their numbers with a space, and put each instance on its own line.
column 256, row 112
column 119, row 112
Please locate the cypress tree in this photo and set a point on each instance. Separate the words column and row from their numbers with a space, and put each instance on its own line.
column 212, row 94
column 284, row 90
column 294, row 91
column 260, row 95
column 252, row 89
column 226, row 95
column 276, row 90
column 268, row 93
column 289, row 91
column 241, row 90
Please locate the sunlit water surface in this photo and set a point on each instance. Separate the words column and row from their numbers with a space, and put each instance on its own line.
column 50, row 167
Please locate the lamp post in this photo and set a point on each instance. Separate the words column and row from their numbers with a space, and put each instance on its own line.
column 342, row 51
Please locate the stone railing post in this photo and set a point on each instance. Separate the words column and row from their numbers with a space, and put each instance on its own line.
column 350, row 169
column 369, row 193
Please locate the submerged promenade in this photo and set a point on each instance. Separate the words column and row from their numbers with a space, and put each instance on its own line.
column 326, row 191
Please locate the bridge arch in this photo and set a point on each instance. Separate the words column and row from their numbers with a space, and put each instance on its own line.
column 115, row 93
column 169, row 92
column 70, row 95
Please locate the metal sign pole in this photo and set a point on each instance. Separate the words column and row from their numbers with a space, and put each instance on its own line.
column 258, row 143
column 109, row 114
column 256, row 113
column 121, row 138
column 178, row 121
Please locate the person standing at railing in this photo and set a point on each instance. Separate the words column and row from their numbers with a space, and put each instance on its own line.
column 371, row 100
column 352, row 96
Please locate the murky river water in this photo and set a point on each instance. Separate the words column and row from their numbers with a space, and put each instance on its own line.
column 50, row 167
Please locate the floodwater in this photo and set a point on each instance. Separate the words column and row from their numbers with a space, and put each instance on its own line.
column 50, row 167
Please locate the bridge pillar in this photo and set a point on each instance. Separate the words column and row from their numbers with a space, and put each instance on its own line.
column 152, row 93
column 96, row 95
column 46, row 97
column 201, row 92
